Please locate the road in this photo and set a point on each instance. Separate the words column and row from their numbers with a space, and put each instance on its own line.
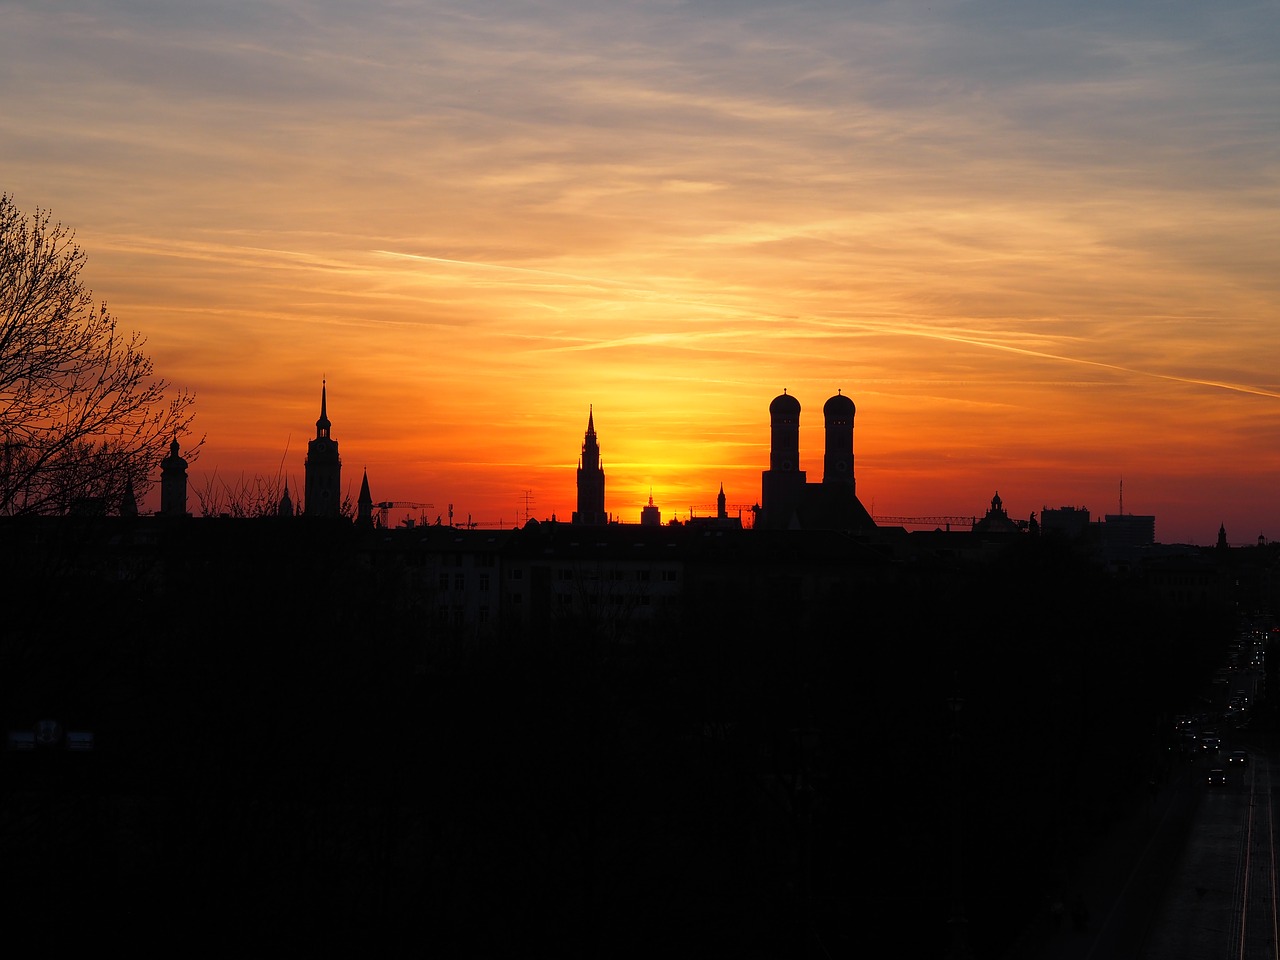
column 1191, row 876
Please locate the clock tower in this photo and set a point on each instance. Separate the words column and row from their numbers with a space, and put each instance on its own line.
column 590, row 479
column 323, row 468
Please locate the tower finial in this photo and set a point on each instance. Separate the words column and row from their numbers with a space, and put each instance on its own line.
column 323, row 425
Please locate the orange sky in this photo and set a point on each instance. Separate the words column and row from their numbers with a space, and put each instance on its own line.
column 1037, row 248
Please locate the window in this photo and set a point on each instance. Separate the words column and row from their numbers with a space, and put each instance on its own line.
column 642, row 576
column 517, row 573
column 484, row 583
column 669, row 576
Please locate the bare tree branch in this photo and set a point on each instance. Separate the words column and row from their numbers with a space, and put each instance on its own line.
column 82, row 414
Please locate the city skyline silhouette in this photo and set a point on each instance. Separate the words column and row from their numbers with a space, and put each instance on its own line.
column 1037, row 250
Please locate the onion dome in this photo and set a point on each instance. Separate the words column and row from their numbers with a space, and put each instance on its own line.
column 838, row 406
column 785, row 405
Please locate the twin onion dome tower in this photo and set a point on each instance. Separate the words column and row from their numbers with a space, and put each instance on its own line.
column 787, row 500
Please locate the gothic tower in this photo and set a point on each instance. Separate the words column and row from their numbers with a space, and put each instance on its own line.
column 837, row 465
column 590, row 479
column 173, row 483
column 323, row 468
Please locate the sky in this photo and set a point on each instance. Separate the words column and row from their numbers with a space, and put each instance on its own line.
column 1037, row 244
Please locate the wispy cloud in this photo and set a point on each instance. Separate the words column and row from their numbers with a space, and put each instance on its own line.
column 673, row 210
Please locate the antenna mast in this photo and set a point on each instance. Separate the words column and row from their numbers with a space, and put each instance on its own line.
column 1122, row 496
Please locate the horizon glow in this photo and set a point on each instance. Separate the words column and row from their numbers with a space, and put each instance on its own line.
column 1036, row 247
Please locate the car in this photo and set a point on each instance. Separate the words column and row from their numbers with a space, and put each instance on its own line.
column 1210, row 743
column 1239, row 758
column 1217, row 777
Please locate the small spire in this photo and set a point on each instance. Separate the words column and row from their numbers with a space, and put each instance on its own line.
column 323, row 425
column 128, row 502
column 364, row 505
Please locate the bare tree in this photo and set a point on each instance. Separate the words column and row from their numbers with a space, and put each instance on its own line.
column 82, row 414
column 244, row 497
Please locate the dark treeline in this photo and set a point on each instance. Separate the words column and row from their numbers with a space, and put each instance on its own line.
column 288, row 753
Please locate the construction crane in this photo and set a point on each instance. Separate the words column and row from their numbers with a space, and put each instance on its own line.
column 712, row 509
column 386, row 505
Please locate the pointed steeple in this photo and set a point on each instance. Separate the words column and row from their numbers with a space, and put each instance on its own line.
column 128, row 502
column 285, row 509
column 364, row 506
column 323, row 425
column 323, row 466
column 590, row 478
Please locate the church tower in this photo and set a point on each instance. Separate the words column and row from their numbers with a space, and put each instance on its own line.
column 364, row 505
column 837, row 464
column 173, row 483
column 782, row 485
column 323, row 468
column 590, row 479
column 285, row 509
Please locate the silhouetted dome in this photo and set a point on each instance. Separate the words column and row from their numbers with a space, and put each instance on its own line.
column 785, row 404
column 838, row 406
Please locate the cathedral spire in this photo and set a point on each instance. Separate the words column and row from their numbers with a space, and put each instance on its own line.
column 323, row 425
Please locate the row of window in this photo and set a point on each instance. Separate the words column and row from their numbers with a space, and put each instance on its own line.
column 643, row 576
column 456, row 614
column 458, row 581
